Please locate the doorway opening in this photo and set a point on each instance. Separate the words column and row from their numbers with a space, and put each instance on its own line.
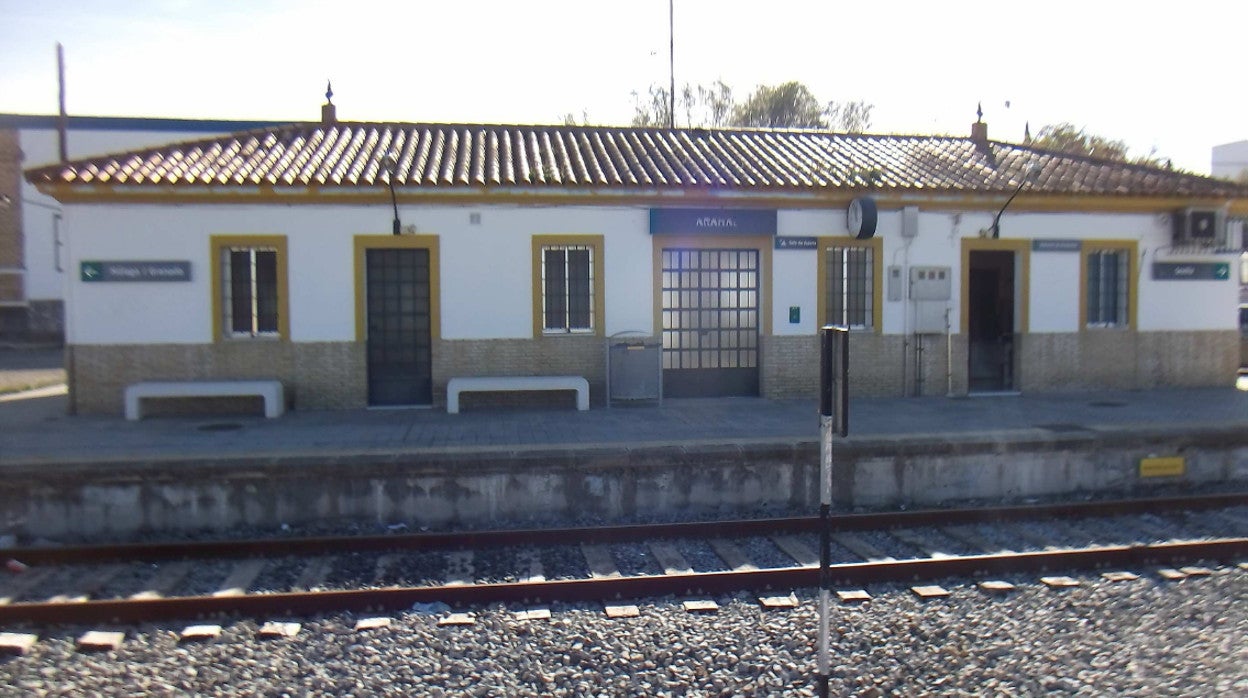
column 711, row 320
column 992, row 329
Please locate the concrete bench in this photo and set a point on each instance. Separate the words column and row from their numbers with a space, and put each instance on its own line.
column 482, row 384
column 271, row 391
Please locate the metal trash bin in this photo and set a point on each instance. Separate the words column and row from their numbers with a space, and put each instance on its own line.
column 634, row 371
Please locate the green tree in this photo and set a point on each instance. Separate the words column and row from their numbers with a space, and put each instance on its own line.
column 850, row 117
column 653, row 111
column 1068, row 138
column 789, row 105
column 708, row 106
column 700, row 105
column 569, row 119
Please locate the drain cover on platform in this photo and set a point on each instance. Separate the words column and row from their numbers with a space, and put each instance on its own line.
column 220, row 426
column 1107, row 403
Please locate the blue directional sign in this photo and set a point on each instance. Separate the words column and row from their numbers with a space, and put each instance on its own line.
column 790, row 242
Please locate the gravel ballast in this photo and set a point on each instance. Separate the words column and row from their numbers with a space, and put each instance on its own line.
column 1143, row 637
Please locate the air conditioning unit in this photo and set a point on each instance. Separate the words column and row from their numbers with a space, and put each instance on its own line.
column 1205, row 227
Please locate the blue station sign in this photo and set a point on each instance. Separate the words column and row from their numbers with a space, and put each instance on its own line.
column 712, row 221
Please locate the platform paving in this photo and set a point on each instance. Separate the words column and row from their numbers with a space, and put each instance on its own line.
column 35, row 428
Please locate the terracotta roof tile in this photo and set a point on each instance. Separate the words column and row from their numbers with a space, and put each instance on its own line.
column 449, row 156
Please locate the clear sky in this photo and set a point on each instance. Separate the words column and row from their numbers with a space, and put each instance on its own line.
column 1169, row 76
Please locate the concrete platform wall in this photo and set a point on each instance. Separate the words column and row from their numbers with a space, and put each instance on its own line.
column 504, row 487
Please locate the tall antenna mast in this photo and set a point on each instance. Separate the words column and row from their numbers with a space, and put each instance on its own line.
column 62, row 121
column 671, row 61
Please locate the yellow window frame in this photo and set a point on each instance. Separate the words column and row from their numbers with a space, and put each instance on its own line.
column 594, row 242
column 1131, row 248
column 217, row 246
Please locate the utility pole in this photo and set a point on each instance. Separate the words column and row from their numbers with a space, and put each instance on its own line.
column 671, row 62
column 62, row 121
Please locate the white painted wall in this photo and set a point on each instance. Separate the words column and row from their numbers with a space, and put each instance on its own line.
column 795, row 272
column 1054, row 276
column 39, row 147
column 486, row 267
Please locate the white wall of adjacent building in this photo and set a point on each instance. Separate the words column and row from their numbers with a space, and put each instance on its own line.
column 1230, row 160
column 486, row 267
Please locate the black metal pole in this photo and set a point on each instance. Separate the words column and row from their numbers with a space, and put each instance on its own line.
column 833, row 418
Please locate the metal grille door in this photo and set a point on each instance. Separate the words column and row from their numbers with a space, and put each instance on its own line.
column 400, row 356
column 710, row 322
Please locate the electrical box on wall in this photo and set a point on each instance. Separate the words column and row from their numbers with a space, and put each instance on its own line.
column 909, row 222
column 931, row 317
column 931, row 283
column 896, row 289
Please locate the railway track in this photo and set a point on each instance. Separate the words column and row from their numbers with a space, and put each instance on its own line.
column 772, row 557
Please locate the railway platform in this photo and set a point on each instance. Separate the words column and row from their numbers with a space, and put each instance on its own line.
column 69, row 474
column 34, row 426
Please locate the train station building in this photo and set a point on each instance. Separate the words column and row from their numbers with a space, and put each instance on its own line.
column 369, row 264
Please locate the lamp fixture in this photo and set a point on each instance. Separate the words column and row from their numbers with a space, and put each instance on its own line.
column 392, row 162
column 1032, row 171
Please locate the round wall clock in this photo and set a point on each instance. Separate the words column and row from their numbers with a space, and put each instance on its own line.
column 861, row 217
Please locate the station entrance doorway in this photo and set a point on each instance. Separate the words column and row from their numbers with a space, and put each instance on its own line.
column 992, row 321
column 710, row 321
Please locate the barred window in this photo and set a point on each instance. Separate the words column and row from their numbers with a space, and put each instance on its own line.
column 249, row 284
column 1108, row 288
column 850, row 286
column 567, row 288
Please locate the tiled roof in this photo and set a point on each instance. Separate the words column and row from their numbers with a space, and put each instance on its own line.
column 449, row 156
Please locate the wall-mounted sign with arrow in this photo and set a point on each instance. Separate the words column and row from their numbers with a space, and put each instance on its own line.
column 135, row 271
column 1191, row 271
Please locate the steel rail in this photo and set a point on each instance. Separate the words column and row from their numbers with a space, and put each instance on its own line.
column 85, row 554
column 583, row 590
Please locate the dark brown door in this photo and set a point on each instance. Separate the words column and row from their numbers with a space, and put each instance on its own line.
column 400, row 357
column 710, row 322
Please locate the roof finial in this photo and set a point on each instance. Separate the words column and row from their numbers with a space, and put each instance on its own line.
column 979, row 130
column 1027, row 132
column 329, row 113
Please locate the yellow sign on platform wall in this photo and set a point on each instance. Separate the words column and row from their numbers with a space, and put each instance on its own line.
column 1169, row 466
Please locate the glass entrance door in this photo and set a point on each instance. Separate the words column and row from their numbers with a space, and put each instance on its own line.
column 710, row 322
